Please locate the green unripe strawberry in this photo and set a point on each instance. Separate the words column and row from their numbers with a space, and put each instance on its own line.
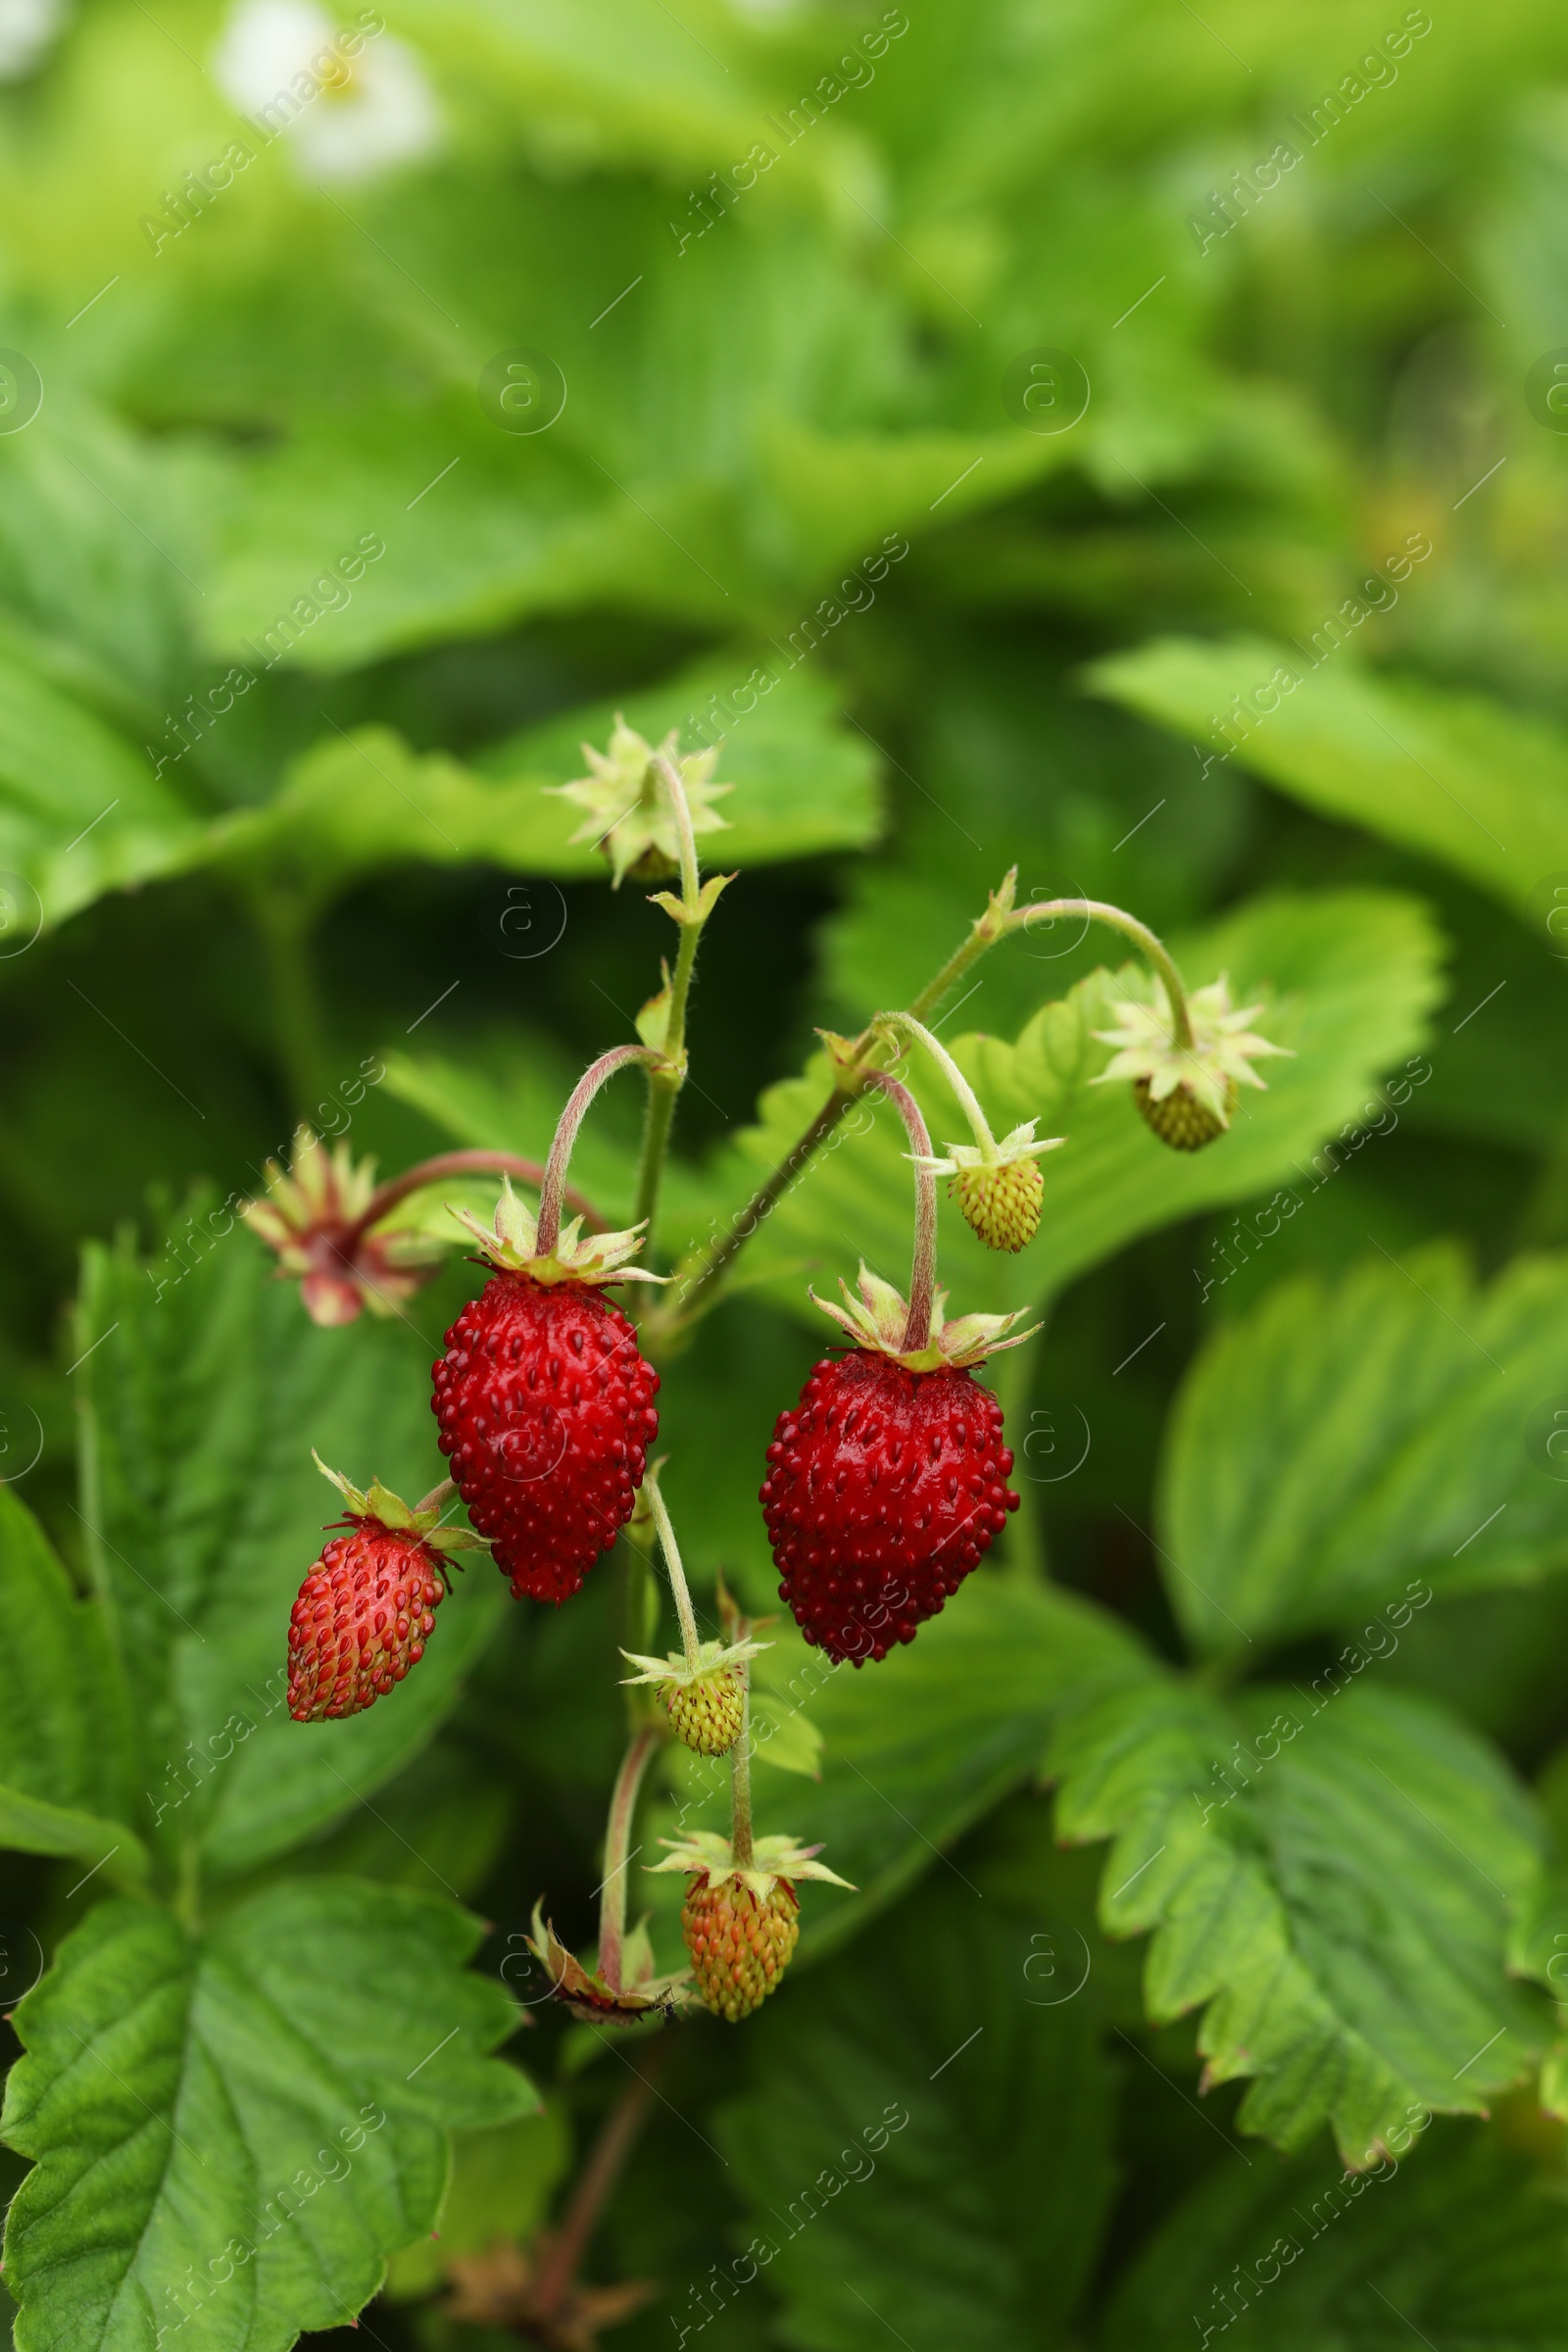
column 1001, row 1203
column 706, row 1713
column 1181, row 1119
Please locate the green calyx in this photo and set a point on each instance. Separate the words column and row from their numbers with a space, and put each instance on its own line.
column 512, row 1245
column 774, row 1861
column 876, row 1321
column 422, row 1519
column 629, row 809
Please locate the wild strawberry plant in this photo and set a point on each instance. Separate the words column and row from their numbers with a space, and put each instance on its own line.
column 244, row 2066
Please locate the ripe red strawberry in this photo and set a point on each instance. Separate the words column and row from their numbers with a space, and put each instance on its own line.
column 544, row 1398
column 366, row 1609
column 546, row 1412
column 888, row 1480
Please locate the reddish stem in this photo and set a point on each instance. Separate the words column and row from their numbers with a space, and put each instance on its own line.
column 386, row 1196
column 552, row 1189
column 923, row 1271
column 553, row 2282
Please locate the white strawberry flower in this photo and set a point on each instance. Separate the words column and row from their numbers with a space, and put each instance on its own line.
column 29, row 29
column 369, row 111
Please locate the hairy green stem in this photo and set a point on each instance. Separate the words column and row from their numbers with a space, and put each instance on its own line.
column 566, row 1135
column 715, row 1261
column 999, row 920
column 678, row 1575
column 968, row 1100
column 923, row 1270
column 618, row 1842
column 664, row 1084
column 690, row 885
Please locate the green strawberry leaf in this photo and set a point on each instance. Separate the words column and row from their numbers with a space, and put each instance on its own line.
column 926, row 2150
column 202, row 1512
column 233, row 2128
column 1468, row 2246
column 80, row 811
column 1335, row 1884
column 1455, row 776
column 1347, row 1441
column 66, row 1769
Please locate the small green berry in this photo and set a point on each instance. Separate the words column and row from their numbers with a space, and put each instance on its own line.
column 707, row 1712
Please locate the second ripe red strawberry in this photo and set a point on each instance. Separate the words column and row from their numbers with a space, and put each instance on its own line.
column 888, row 1480
column 545, row 1405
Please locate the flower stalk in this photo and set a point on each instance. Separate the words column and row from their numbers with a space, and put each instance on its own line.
column 552, row 1189
column 924, row 1268
column 690, row 912
column 968, row 1100
column 740, row 1773
column 1155, row 951
column 856, row 1061
column 678, row 1575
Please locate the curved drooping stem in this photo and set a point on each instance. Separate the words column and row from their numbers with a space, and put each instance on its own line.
column 566, row 1135
column 968, row 1100
column 1023, row 918
column 999, row 920
column 618, row 1842
column 678, row 1575
column 923, row 1271
column 387, row 1197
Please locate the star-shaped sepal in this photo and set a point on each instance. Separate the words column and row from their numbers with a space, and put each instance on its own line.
column 1187, row 1093
column 627, row 801
column 1000, row 1190
column 585, row 1993
column 422, row 1519
column 775, row 1861
column 514, row 1243
column 876, row 1321
column 705, row 1702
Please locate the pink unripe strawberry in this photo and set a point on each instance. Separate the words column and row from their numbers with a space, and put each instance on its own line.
column 361, row 1620
column 366, row 1608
